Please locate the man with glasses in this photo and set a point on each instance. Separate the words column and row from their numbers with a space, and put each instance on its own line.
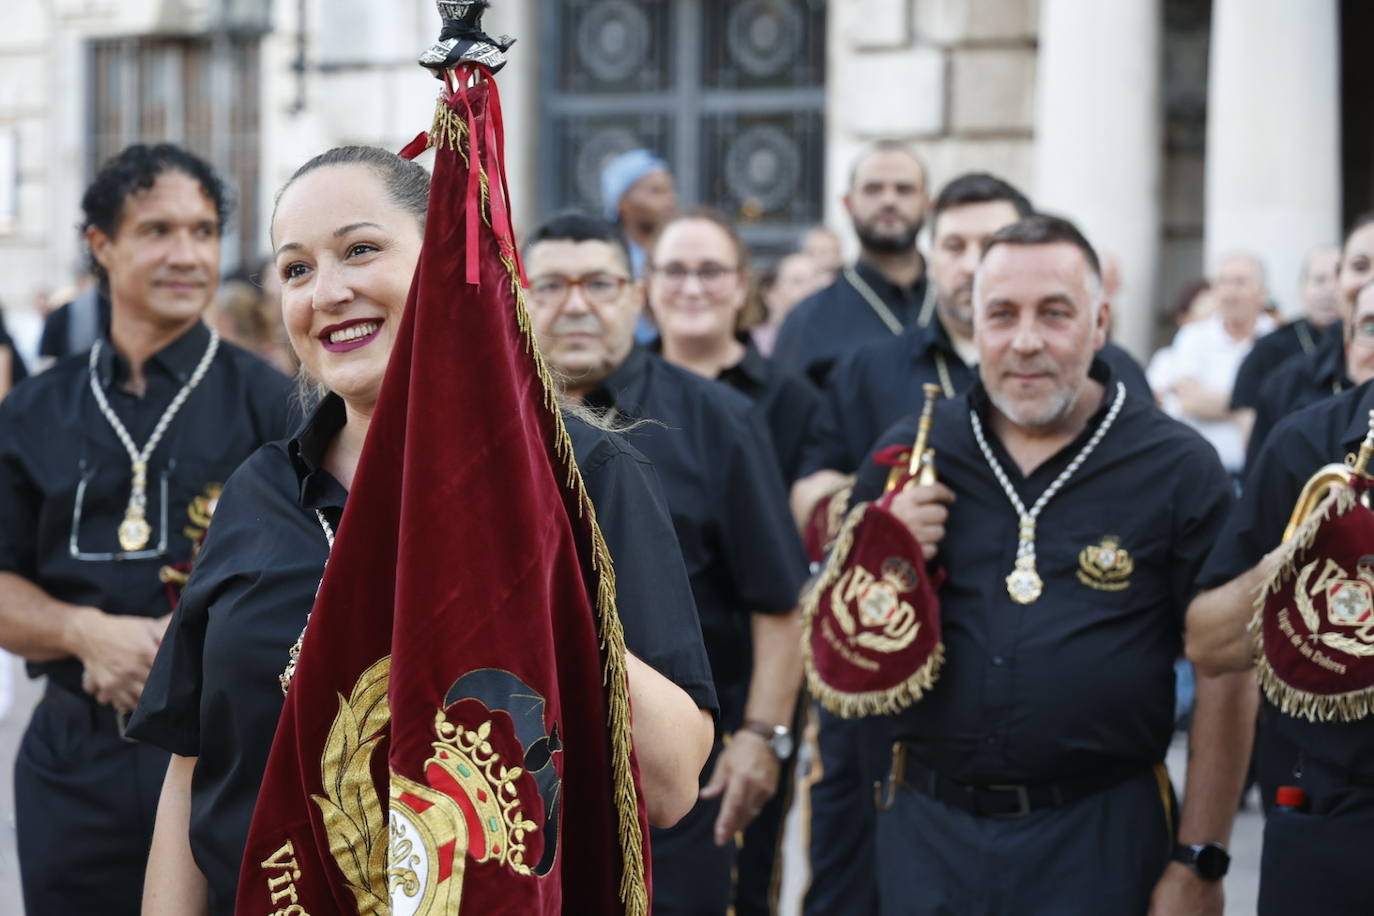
column 729, row 506
column 110, row 465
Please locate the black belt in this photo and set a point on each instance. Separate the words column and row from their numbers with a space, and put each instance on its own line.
column 102, row 717
column 1005, row 801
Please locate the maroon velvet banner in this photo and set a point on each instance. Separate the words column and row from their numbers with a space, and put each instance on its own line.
column 456, row 738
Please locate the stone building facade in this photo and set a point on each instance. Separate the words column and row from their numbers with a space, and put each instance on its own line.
column 1170, row 129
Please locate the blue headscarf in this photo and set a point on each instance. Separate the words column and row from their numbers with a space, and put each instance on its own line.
column 623, row 173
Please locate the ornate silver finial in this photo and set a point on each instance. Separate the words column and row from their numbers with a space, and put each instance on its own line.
column 462, row 39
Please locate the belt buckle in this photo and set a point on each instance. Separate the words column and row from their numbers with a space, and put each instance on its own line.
column 121, row 722
column 1023, row 805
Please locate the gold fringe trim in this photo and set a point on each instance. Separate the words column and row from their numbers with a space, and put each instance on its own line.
column 842, row 703
column 450, row 132
column 1303, row 704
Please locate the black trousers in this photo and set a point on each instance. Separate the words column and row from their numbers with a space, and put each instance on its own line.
column 692, row 875
column 1317, row 860
column 1101, row 854
column 852, row 754
column 85, row 801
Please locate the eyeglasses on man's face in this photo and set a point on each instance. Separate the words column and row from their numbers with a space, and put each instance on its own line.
column 1363, row 332
column 600, row 288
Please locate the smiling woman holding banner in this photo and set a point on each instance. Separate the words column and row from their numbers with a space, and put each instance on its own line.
column 470, row 597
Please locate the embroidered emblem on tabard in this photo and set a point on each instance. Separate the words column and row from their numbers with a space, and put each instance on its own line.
column 872, row 620
column 1314, row 617
column 1106, row 566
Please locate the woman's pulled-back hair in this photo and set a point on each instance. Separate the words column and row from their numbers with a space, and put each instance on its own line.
column 406, row 182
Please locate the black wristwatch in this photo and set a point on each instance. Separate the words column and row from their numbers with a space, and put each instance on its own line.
column 779, row 737
column 1210, row 860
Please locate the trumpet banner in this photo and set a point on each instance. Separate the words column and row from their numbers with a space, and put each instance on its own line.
column 1313, row 626
column 872, row 642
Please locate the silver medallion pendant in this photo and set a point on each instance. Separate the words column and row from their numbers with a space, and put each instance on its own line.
column 134, row 531
column 1023, row 584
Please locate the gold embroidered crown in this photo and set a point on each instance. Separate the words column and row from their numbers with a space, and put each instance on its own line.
column 469, row 758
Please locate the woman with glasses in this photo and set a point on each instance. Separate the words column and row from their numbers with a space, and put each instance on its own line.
column 347, row 232
column 698, row 285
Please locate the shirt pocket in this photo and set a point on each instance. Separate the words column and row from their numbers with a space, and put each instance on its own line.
column 1116, row 558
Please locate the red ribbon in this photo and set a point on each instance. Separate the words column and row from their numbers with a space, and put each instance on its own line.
column 415, row 147
column 486, row 153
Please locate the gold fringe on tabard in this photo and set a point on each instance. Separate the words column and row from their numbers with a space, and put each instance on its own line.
column 844, row 704
column 1303, row 704
column 450, row 132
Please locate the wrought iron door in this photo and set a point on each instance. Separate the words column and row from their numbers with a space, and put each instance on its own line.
column 730, row 93
column 200, row 92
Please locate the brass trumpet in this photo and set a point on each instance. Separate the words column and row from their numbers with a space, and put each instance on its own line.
column 920, row 469
column 1328, row 477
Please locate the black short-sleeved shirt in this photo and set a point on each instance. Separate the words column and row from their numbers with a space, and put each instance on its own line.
column 18, row 371
column 72, row 328
column 880, row 382
column 1083, row 678
column 213, row 691
column 727, row 500
column 1302, row 379
column 1274, row 348
column 783, row 402
column 1301, row 443
column 65, row 477
column 829, row 324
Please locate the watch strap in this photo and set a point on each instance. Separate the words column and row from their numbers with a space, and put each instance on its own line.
column 1219, row 860
column 763, row 729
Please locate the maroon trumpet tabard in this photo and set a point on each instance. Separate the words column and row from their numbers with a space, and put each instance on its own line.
column 873, row 642
column 1315, row 622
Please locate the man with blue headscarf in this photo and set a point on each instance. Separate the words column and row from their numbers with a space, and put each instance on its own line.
column 639, row 196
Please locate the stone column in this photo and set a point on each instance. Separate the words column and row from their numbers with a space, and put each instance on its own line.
column 1273, row 134
column 1098, row 141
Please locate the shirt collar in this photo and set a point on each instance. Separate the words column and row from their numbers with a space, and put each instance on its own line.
column 307, row 448
column 1359, row 424
column 752, row 365
column 178, row 359
column 1328, row 360
column 931, row 338
column 887, row 290
column 623, row 388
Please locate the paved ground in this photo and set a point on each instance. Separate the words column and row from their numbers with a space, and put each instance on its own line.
column 17, row 695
